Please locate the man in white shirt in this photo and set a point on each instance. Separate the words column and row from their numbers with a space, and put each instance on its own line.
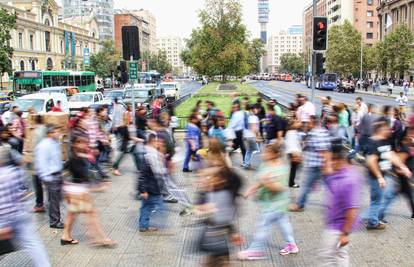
column 9, row 115
column 250, row 135
column 238, row 124
column 402, row 103
column 306, row 110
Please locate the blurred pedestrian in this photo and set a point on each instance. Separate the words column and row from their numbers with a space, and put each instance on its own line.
column 49, row 167
column 238, row 123
column 123, row 133
column 57, row 107
column 250, row 135
column 40, row 132
column 343, row 198
column 402, row 101
column 19, row 129
column 273, row 199
column 15, row 222
column 293, row 150
column 192, row 141
column 305, row 110
column 274, row 126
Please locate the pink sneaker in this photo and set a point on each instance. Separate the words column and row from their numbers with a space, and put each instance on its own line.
column 250, row 255
column 289, row 249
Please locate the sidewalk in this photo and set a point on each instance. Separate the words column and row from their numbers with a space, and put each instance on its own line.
column 118, row 213
column 383, row 92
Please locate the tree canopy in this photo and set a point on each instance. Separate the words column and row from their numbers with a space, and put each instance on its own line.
column 104, row 63
column 7, row 23
column 157, row 61
column 292, row 63
column 220, row 45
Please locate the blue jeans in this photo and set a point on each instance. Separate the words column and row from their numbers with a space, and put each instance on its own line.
column 251, row 146
column 390, row 193
column 24, row 231
column 188, row 154
column 264, row 227
column 154, row 205
column 310, row 175
column 376, row 193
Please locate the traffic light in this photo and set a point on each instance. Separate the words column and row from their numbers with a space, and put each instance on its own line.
column 320, row 33
column 320, row 64
column 130, row 43
column 123, row 75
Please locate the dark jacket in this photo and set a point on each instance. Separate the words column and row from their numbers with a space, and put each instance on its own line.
column 147, row 181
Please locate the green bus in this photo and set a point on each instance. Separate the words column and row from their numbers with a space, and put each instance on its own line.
column 27, row 82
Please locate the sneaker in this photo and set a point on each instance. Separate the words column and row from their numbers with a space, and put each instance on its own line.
column 187, row 170
column 380, row 226
column 295, row 208
column 294, row 186
column 383, row 221
column 250, row 255
column 289, row 249
column 170, row 199
column 186, row 211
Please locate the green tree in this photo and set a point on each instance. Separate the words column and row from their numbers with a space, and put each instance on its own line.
column 158, row 62
column 7, row 23
column 398, row 52
column 219, row 46
column 255, row 51
column 344, row 46
column 292, row 63
column 104, row 63
column 370, row 58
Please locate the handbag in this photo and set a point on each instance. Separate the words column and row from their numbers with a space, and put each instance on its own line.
column 214, row 239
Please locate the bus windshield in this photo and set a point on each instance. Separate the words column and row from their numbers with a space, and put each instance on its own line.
column 25, row 104
column 330, row 77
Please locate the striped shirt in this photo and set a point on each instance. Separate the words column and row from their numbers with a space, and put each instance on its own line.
column 316, row 141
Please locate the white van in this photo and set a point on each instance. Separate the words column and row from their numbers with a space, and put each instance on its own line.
column 41, row 102
column 171, row 90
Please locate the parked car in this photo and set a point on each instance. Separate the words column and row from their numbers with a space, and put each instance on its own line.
column 171, row 91
column 346, row 86
column 83, row 100
column 41, row 102
column 143, row 96
column 119, row 94
column 67, row 90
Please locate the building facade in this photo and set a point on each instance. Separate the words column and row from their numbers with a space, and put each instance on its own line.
column 173, row 46
column 308, row 23
column 366, row 21
column 282, row 43
column 102, row 9
column 338, row 11
column 152, row 27
column 43, row 42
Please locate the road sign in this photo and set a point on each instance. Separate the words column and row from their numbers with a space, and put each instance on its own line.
column 133, row 70
column 86, row 56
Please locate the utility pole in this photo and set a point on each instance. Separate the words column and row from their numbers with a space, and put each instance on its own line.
column 313, row 57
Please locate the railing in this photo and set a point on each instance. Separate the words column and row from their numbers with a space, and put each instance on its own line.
column 174, row 104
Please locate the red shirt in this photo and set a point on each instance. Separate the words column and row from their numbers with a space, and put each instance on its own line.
column 56, row 109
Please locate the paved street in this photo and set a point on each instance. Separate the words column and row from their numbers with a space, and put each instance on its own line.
column 286, row 92
column 119, row 211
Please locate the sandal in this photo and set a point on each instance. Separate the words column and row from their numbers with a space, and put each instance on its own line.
column 105, row 243
column 69, row 242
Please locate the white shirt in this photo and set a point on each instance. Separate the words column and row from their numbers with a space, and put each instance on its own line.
column 252, row 120
column 305, row 112
column 237, row 120
column 401, row 100
column 292, row 142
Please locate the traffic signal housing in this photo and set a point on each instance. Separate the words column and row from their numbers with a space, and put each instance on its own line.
column 320, row 64
column 320, row 33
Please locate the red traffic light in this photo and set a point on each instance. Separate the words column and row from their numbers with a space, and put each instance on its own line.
column 321, row 26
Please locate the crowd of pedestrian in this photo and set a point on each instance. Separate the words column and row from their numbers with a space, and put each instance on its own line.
column 294, row 148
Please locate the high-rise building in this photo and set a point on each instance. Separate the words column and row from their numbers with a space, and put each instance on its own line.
column 263, row 15
column 152, row 27
column 125, row 18
column 173, row 46
column 103, row 10
column 286, row 42
column 340, row 10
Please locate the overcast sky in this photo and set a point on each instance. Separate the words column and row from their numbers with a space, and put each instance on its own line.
column 179, row 17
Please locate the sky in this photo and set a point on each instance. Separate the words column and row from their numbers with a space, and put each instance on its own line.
column 179, row 17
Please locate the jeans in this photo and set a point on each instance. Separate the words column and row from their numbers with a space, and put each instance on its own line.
column 188, row 154
column 24, row 231
column 251, row 146
column 176, row 192
column 119, row 158
column 390, row 193
column 310, row 176
column 376, row 193
column 148, row 206
column 54, row 192
column 264, row 227
column 346, row 134
column 330, row 254
column 238, row 143
column 37, row 184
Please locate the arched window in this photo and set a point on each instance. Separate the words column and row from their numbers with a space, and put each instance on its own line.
column 33, row 65
column 21, row 65
column 47, row 22
column 49, row 64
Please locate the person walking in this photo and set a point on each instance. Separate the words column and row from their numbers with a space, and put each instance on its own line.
column 192, row 140
column 16, row 223
column 343, row 200
column 343, row 121
column 273, row 199
column 238, row 123
column 123, row 133
column 315, row 152
column 19, row 129
column 250, row 136
column 306, row 110
column 293, row 150
column 78, row 197
column 380, row 159
column 40, row 132
column 49, row 167
column 402, row 101
column 274, row 127
column 366, row 126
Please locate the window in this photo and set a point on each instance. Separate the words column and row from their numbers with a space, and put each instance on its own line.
column 95, row 98
column 22, row 65
column 49, row 105
column 370, row 35
column 370, row 24
column 47, row 82
column 20, row 40
column 33, row 65
column 55, row 80
column 370, row 2
column 71, row 81
column 77, row 80
column 370, row 13
column 31, row 41
column 84, row 81
column 47, row 41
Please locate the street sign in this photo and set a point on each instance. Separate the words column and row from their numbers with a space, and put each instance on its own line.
column 133, row 70
column 86, row 57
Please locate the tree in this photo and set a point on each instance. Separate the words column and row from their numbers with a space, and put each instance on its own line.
column 7, row 23
column 104, row 63
column 344, row 48
column 398, row 52
column 370, row 58
column 292, row 63
column 158, row 62
column 219, row 46
column 255, row 52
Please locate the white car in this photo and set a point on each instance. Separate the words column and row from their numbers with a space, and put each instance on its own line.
column 83, row 100
column 171, row 90
column 41, row 102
